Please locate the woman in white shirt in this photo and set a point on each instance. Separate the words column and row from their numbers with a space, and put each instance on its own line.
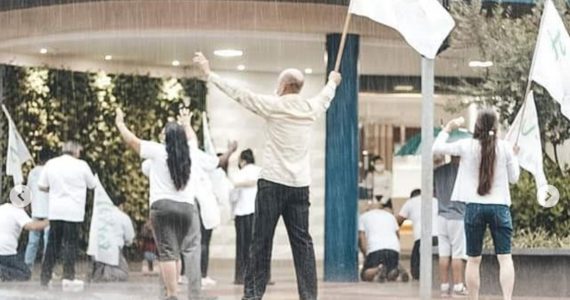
column 173, row 213
column 245, row 182
column 487, row 166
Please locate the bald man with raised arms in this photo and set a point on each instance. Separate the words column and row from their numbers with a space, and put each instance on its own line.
column 283, row 188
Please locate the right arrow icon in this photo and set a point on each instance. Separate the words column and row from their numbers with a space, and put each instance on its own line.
column 548, row 196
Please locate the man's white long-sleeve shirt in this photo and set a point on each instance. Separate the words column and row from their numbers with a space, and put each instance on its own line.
column 289, row 121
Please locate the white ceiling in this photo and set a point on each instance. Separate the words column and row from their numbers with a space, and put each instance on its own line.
column 263, row 51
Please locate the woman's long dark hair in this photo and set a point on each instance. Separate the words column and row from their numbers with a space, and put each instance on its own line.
column 486, row 133
column 178, row 159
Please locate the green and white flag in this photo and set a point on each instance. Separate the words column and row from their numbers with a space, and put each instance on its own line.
column 530, row 153
column 551, row 62
column 102, row 247
column 17, row 154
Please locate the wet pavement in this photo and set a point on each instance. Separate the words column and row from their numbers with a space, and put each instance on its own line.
column 146, row 287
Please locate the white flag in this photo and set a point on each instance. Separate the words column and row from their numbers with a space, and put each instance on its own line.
column 424, row 23
column 551, row 63
column 17, row 153
column 208, row 143
column 102, row 245
column 530, row 154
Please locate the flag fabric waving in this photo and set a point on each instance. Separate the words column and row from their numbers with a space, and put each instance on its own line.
column 102, row 246
column 530, row 153
column 208, row 143
column 17, row 153
column 424, row 23
column 551, row 62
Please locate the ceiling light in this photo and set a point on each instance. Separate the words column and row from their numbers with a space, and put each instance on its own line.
column 228, row 53
column 43, row 51
column 480, row 64
column 108, row 57
column 404, row 88
column 241, row 67
column 308, row 71
column 175, row 63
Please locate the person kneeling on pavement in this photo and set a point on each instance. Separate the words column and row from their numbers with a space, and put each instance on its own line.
column 12, row 220
column 122, row 234
column 379, row 242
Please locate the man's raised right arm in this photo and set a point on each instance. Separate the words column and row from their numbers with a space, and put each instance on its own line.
column 259, row 104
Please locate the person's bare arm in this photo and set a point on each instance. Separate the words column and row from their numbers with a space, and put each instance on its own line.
column 130, row 138
column 185, row 119
column 400, row 220
column 36, row 225
column 245, row 183
column 362, row 244
column 225, row 157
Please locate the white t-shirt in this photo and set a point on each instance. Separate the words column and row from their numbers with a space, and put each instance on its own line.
column 245, row 201
column 289, row 122
column 68, row 179
column 40, row 201
column 381, row 230
column 12, row 221
column 161, row 184
column 412, row 210
column 123, row 229
column 507, row 170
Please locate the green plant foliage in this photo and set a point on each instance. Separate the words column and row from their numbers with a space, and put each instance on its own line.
column 527, row 238
column 493, row 34
column 529, row 215
column 51, row 106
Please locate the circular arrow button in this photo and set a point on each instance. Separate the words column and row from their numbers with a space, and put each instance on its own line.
column 21, row 196
column 548, row 196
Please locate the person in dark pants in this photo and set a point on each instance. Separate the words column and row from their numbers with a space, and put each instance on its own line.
column 283, row 189
column 205, row 250
column 244, row 231
column 66, row 179
column 379, row 241
column 412, row 210
column 12, row 220
column 245, row 183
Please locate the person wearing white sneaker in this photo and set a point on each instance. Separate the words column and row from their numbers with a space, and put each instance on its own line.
column 284, row 187
column 66, row 179
column 451, row 229
column 74, row 285
column 488, row 165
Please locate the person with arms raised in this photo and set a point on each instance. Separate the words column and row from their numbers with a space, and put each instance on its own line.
column 488, row 164
column 283, row 188
column 173, row 170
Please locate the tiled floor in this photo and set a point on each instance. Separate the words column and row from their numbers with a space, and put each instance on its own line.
column 143, row 288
